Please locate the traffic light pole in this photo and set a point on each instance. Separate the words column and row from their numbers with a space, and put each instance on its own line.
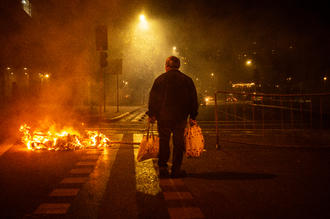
column 117, row 76
column 104, row 94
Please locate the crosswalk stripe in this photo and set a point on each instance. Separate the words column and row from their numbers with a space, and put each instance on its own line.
column 64, row 192
column 145, row 172
column 171, row 182
column 91, row 157
column 185, row 213
column 81, row 171
column 177, row 195
column 86, row 163
column 74, row 180
column 52, row 208
column 93, row 152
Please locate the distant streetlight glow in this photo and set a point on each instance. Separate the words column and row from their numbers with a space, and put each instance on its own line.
column 143, row 22
column 212, row 74
column 46, row 75
column 325, row 78
column 174, row 48
column 248, row 62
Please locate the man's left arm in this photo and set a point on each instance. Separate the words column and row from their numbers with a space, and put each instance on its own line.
column 194, row 101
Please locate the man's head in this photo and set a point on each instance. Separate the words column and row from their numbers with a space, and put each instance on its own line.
column 172, row 63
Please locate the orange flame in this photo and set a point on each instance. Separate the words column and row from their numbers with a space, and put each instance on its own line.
column 65, row 139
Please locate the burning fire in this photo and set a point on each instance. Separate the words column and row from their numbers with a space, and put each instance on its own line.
column 65, row 139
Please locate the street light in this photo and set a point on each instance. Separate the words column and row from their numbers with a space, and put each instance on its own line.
column 143, row 22
column 248, row 62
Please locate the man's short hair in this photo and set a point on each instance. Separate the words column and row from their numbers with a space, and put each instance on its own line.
column 173, row 62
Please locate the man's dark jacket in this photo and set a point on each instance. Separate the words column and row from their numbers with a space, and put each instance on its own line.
column 173, row 97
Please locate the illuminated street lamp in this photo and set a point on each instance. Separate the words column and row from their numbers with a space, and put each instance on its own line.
column 248, row 62
column 325, row 78
column 143, row 22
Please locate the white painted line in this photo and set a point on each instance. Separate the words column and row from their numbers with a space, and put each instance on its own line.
column 91, row 157
column 146, row 177
column 171, row 182
column 86, row 163
column 73, row 180
column 177, row 195
column 4, row 148
column 81, row 171
column 185, row 213
column 64, row 192
column 52, row 208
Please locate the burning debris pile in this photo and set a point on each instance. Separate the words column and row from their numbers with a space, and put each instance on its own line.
column 65, row 139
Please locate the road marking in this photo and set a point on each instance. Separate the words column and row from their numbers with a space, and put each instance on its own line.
column 81, row 171
column 171, row 182
column 177, row 195
column 64, row 192
column 183, row 213
column 74, row 180
column 52, row 208
column 139, row 117
column 86, row 163
column 147, row 181
column 93, row 151
column 91, row 157
column 4, row 148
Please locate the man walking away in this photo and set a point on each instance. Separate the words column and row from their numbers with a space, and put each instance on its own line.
column 172, row 99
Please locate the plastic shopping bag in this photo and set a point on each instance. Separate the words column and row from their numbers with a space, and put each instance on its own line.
column 194, row 141
column 149, row 146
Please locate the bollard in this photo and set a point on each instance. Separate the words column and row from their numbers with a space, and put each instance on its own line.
column 282, row 116
column 311, row 114
column 291, row 114
column 301, row 113
column 321, row 114
column 217, row 145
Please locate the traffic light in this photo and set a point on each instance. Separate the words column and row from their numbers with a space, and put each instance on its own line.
column 103, row 59
column 101, row 38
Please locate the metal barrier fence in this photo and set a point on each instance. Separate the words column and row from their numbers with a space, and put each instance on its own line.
column 261, row 111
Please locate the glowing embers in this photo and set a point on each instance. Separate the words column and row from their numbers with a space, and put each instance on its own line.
column 64, row 139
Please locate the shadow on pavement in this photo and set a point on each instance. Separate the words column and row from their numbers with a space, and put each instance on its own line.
column 231, row 176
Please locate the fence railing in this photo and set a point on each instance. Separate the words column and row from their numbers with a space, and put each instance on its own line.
column 261, row 111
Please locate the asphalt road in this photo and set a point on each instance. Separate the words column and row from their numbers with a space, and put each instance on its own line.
column 238, row 181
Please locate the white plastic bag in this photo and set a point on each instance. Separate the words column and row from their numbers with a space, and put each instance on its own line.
column 194, row 141
column 149, row 146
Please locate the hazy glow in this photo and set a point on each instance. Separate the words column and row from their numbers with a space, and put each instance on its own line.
column 145, row 51
column 143, row 22
column 248, row 62
column 325, row 78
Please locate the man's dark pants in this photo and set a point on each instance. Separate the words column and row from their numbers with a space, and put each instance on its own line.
column 165, row 128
